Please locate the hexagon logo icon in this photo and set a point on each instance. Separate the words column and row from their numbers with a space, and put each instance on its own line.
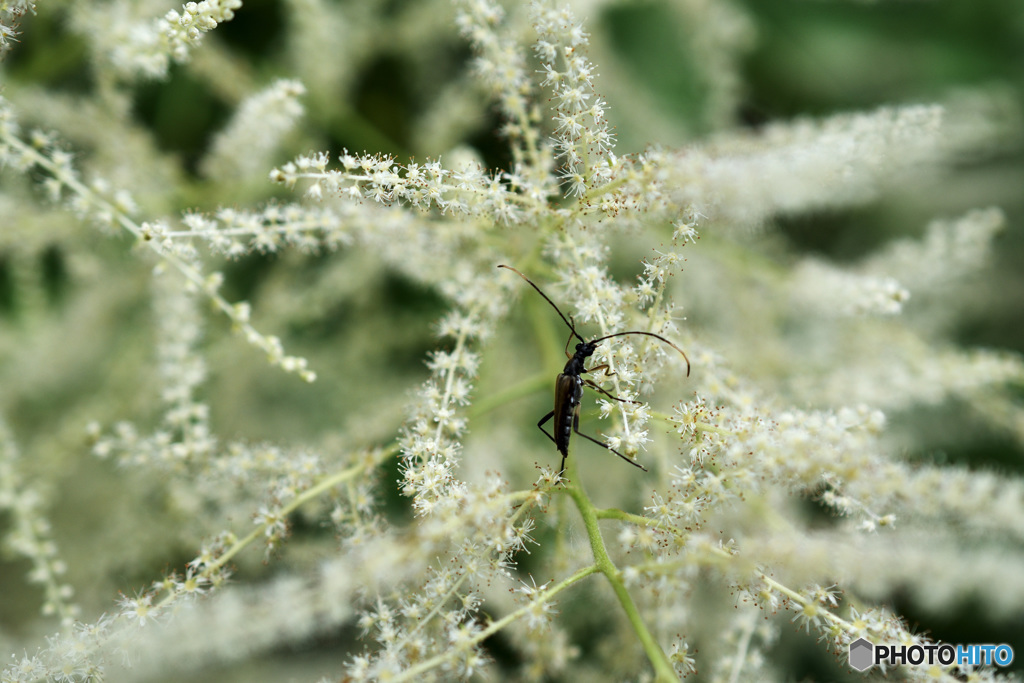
column 862, row 654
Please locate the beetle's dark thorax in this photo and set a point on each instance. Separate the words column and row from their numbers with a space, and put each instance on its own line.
column 576, row 365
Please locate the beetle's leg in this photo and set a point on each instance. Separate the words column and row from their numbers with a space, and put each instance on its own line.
column 601, row 367
column 592, row 385
column 597, row 388
column 540, row 425
column 634, row 463
column 543, row 421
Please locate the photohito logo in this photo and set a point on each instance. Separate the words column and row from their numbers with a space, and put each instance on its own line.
column 864, row 654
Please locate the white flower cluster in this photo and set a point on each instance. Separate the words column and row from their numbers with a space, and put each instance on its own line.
column 651, row 287
column 472, row 538
column 113, row 209
column 204, row 472
column 940, row 267
column 376, row 177
column 30, row 533
column 470, row 531
column 432, row 436
column 147, row 46
column 829, row 290
column 500, row 62
column 246, row 145
column 740, row 463
column 583, row 140
column 950, row 253
column 786, row 167
column 10, row 14
column 233, row 233
column 196, row 18
column 778, row 493
column 501, row 65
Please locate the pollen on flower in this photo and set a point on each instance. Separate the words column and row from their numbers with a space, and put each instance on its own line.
column 139, row 608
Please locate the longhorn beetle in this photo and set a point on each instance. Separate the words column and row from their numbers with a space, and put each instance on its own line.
column 569, row 384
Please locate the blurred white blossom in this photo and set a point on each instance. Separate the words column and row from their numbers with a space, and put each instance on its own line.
column 231, row 513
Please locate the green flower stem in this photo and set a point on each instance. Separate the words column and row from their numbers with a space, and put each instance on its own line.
column 527, row 387
column 593, row 193
column 662, row 667
column 703, row 427
column 623, row 516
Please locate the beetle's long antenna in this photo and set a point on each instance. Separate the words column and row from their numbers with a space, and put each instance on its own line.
column 571, row 327
column 649, row 334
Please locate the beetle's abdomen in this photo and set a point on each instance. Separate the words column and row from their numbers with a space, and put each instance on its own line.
column 568, row 392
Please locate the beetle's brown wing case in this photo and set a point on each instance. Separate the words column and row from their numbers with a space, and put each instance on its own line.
column 566, row 406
